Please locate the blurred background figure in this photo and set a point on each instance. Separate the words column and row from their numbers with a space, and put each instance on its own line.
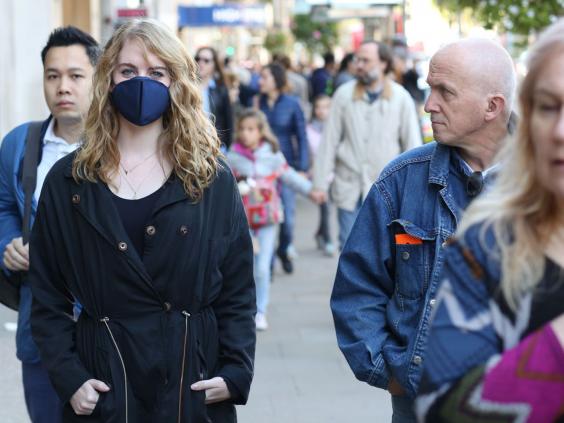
column 215, row 94
column 321, row 79
column 297, row 84
column 346, row 70
column 258, row 165
column 321, row 107
column 286, row 118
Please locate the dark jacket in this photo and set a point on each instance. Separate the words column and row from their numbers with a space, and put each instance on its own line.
column 151, row 326
column 220, row 108
column 286, row 118
column 11, row 216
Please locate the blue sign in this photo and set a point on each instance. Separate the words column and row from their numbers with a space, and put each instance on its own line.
column 222, row 15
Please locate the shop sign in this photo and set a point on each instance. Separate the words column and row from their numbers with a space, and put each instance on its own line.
column 222, row 15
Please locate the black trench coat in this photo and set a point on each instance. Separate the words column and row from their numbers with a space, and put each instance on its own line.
column 151, row 326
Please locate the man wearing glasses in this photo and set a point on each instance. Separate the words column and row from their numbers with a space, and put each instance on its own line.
column 388, row 274
column 372, row 120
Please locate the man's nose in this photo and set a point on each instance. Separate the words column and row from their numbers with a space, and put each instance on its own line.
column 559, row 127
column 431, row 105
column 64, row 85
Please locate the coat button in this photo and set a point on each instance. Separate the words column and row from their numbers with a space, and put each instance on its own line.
column 167, row 306
column 183, row 230
column 150, row 230
column 405, row 255
column 122, row 246
column 433, row 302
column 76, row 199
column 417, row 360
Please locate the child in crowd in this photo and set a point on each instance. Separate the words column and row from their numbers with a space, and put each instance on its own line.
column 321, row 107
column 258, row 164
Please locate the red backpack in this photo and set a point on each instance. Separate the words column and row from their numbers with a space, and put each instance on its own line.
column 262, row 203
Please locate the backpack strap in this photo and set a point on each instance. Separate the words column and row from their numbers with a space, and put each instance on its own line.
column 29, row 174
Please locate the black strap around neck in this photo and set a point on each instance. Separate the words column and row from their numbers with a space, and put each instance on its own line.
column 29, row 174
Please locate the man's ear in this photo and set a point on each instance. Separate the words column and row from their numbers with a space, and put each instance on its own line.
column 495, row 106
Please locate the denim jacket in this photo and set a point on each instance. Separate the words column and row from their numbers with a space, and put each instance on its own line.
column 11, row 214
column 389, row 269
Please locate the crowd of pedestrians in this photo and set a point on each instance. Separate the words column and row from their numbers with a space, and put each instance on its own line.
column 157, row 167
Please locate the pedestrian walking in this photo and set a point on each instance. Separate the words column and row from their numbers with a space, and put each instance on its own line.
column 144, row 226
column 496, row 344
column 372, row 120
column 321, row 107
column 388, row 272
column 286, row 118
column 215, row 93
column 347, row 70
column 258, row 165
column 322, row 78
column 68, row 60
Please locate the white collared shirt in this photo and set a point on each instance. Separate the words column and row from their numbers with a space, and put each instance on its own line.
column 54, row 148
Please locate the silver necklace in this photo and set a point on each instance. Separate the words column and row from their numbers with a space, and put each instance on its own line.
column 131, row 169
column 135, row 190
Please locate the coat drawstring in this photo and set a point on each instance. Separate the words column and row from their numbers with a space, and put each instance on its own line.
column 186, row 316
column 105, row 320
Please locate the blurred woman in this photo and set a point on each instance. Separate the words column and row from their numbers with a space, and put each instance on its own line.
column 496, row 347
column 321, row 108
column 286, row 118
column 144, row 226
column 215, row 93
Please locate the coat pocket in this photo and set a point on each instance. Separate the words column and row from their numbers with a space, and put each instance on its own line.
column 414, row 252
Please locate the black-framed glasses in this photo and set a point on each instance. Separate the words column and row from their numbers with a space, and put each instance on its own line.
column 203, row 59
column 474, row 184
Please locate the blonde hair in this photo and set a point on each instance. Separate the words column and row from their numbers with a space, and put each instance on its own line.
column 189, row 139
column 521, row 214
column 264, row 128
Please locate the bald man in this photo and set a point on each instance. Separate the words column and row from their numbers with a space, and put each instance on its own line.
column 387, row 277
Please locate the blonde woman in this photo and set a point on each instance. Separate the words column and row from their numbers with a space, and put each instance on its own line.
column 144, row 226
column 496, row 348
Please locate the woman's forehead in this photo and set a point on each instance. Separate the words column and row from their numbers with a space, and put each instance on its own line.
column 134, row 51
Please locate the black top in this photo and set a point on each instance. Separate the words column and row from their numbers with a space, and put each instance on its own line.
column 548, row 297
column 135, row 215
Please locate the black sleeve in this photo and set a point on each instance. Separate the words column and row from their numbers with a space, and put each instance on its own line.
column 228, row 116
column 235, row 307
column 52, row 326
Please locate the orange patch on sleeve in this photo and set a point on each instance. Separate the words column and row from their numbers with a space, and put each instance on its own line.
column 403, row 239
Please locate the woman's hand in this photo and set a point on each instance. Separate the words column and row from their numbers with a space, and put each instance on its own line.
column 216, row 389
column 86, row 397
column 558, row 328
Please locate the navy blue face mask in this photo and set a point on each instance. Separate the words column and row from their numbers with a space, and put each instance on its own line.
column 141, row 100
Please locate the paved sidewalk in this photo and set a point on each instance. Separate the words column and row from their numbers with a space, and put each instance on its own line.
column 300, row 375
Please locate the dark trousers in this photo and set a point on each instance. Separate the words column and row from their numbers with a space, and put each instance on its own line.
column 288, row 197
column 43, row 404
column 323, row 229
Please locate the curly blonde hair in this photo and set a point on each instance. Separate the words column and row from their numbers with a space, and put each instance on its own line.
column 189, row 140
column 522, row 215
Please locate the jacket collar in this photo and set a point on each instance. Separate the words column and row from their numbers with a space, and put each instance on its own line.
column 96, row 205
column 444, row 159
column 359, row 92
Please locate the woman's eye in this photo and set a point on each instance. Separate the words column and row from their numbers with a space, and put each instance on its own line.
column 127, row 72
column 548, row 107
column 157, row 74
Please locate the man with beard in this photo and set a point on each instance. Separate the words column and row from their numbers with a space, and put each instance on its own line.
column 372, row 120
